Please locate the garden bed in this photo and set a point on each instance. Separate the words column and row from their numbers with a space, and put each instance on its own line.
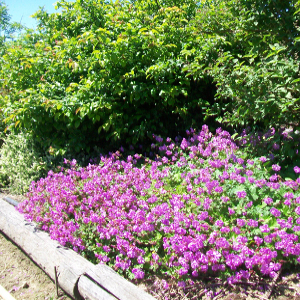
column 203, row 212
column 76, row 276
column 18, row 271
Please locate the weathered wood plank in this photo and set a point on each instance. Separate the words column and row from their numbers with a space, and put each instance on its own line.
column 70, row 266
column 116, row 284
column 41, row 249
column 5, row 294
column 91, row 291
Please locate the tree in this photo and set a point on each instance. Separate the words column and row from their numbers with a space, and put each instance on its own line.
column 7, row 28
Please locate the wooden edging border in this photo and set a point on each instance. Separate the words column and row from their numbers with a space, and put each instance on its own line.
column 5, row 294
column 78, row 277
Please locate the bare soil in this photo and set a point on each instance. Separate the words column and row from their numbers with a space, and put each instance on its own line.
column 285, row 287
column 23, row 278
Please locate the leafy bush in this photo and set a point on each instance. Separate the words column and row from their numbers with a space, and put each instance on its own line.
column 201, row 207
column 108, row 74
column 255, row 62
column 82, row 81
column 280, row 145
column 20, row 163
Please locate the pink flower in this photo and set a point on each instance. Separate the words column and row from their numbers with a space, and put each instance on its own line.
column 240, row 222
column 275, row 212
column 276, row 168
column 264, row 228
column 241, row 194
column 263, row 159
column 231, row 211
column 268, row 200
column 297, row 169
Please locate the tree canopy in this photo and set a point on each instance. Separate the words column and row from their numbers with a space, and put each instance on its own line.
column 7, row 28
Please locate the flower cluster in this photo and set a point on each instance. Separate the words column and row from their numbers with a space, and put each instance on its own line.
column 201, row 206
column 284, row 142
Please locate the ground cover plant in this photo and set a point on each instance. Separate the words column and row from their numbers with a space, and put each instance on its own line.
column 200, row 207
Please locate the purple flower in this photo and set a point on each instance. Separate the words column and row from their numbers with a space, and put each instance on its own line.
column 276, row 168
column 268, row 200
column 296, row 228
column 195, row 273
column 249, row 173
column 138, row 273
column 225, row 199
column 236, row 230
column 297, row 169
column 241, row 194
column 183, row 271
column 240, row 161
column 165, row 285
column 240, row 222
column 275, row 212
column 249, row 204
column 165, row 160
column 274, row 178
column 155, row 256
column 219, row 223
column 264, row 228
column 258, row 240
column 268, row 239
column 283, row 223
column 252, row 223
column 289, row 195
column 233, row 261
column 222, row 243
column 213, row 255
column 231, row 211
column 263, row 159
column 225, row 229
column 141, row 260
column 250, row 162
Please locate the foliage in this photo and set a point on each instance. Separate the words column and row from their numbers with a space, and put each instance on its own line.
column 84, row 80
column 256, row 66
column 20, row 162
column 108, row 74
column 201, row 207
column 281, row 146
column 7, row 28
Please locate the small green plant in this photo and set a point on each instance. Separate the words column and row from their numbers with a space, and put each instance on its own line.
column 20, row 162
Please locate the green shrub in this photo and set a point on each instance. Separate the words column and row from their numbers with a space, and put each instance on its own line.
column 83, row 81
column 106, row 74
column 256, row 68
column 20, row 162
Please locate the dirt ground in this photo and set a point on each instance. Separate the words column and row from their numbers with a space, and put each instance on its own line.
column 21, row 277
column 26, row 281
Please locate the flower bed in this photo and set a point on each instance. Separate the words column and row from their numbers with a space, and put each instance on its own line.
column 202, row 206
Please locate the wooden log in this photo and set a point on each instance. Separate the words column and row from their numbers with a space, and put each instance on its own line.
column 91, row 291
column 5, row 294
column 73, row 271
column 117, row 285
